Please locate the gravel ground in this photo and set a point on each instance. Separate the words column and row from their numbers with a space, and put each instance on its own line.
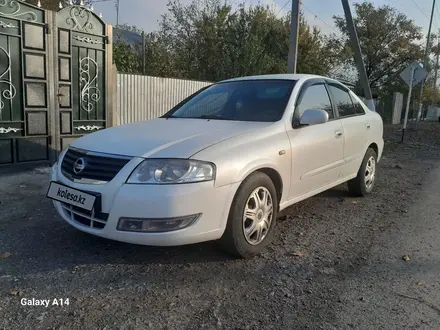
column 316, row 275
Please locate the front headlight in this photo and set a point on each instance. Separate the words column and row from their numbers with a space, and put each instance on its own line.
column 172, row 171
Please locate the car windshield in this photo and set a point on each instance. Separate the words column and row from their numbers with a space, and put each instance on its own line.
column 250, row 100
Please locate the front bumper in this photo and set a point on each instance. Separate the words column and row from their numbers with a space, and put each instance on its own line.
column 155, row 201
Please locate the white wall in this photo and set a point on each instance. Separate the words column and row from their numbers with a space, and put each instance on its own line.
column 433, row 114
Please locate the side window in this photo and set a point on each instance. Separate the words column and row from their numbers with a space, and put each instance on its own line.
column 315, row 97
column 342, row 101
column 357, row 106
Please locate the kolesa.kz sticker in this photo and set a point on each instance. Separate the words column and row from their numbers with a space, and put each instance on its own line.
column 72, row 197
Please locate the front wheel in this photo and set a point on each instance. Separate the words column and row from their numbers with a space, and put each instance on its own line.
column 252, row 217
column 363, row 183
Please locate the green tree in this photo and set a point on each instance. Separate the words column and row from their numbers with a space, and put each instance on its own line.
column 130, row 28
column 389, row 41
column 158, row 61
column 126, row 58
column 209, row 40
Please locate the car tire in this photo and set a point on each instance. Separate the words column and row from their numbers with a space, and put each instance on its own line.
column 246, row 236
column 363, row 184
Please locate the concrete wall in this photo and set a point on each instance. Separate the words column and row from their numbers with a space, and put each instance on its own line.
column 433, row 114
column 142, row 97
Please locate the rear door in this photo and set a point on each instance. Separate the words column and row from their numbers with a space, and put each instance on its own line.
column 355, row 126
column 317, row 150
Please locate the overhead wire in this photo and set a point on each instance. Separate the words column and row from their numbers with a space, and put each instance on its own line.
column 436, row 18
column 401, row 7
column 282, row 8
column 339, row 71
column 437, row 15
column 323, row 21
column 420, row 9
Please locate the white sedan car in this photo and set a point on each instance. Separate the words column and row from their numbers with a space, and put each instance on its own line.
column 221, row 164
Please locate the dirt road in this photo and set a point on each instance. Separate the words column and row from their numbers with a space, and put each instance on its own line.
column 336, row 262
column 390, row 294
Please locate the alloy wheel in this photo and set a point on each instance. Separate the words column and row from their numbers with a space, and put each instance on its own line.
column 257, row 217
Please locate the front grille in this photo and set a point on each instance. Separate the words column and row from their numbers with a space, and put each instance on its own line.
column 98, row 167
column 96, row 220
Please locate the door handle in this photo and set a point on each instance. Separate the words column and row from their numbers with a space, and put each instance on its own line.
column 338, row 134
column 368, row 126
column 59, row 96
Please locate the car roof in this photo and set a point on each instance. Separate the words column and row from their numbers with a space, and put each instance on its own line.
column 285, row 76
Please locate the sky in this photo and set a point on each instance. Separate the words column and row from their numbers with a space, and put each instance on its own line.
column 145, row 14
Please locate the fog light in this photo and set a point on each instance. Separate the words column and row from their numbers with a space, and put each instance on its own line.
column 156, row 225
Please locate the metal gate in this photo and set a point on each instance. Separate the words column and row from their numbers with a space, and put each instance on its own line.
column 82, row 74
column 54, row 79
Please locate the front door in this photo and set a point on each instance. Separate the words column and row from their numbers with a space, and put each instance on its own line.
column 317, row 150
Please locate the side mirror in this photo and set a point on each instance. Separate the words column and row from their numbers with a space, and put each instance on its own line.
column 313, row 117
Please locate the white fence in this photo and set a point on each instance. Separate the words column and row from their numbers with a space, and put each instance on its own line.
column 142, row 97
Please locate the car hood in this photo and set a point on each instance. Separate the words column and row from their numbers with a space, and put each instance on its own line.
column 164, row 138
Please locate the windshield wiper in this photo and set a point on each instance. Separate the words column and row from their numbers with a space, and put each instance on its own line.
column 213, row 117
column 168, row 116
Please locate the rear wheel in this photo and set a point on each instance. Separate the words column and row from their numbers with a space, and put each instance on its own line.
column 252, row 217
column 363, row 183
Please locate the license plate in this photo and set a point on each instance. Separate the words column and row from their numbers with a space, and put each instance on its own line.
column 71, row 196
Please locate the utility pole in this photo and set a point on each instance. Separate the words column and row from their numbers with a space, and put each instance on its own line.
column 294, row 35
column 358, row 55
column 408, row 102
column 425, row 62
column 436, row 70
column 117, row 12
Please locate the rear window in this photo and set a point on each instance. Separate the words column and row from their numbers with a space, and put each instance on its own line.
column 342, row 101
column 357, row 106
